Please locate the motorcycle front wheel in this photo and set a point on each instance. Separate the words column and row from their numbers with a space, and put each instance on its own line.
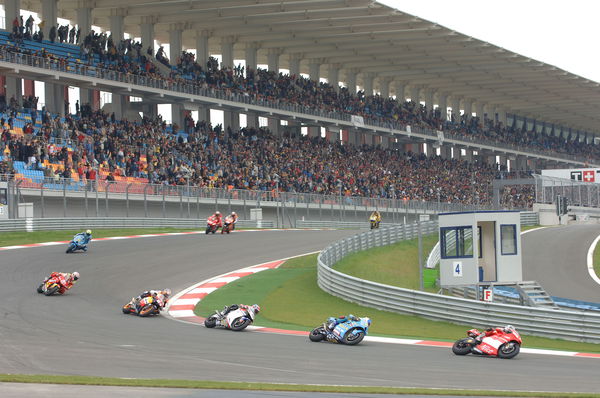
column 210, row 322
column 317, row 334
column 147, row 311
column 352, row 339
column 40, row 288
column 127, row 308
column 508, row 350
column 240, row 324
column 461, row 347
column 70, row 249
column 51, row 291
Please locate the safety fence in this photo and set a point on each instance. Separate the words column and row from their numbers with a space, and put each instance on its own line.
column 578, row 193
column 40, row 224
column 187, row 87
column 569, row 325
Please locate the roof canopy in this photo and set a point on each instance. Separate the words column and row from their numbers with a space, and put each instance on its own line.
column 366, row 37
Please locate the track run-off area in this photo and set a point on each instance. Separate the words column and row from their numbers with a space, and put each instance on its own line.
column 85, row 333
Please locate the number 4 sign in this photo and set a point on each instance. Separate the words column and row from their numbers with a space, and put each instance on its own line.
column 457, row 269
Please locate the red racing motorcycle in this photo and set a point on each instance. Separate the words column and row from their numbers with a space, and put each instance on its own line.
column 500, row 342
column 212, row 225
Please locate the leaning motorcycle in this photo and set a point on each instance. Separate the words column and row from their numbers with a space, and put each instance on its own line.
column 76, row 244
column 145, row 307
column 212, row 225
column 227, row 225
column 374, row 223
column 350, row 332
column 238, row 319
column 50, row 286
column 505, row 344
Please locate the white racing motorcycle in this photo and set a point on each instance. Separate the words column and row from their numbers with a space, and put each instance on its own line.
column 238, row 318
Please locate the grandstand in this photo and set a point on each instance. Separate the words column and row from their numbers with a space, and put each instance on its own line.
column 395, row 85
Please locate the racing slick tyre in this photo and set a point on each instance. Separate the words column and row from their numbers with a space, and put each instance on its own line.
column 352, row 339
column 508, row 350
column 210, row 322
column 51, row 291
column 207, row 230
column 240, row 324
column 147, row 311
column 40, row 288
column 128, row 309
column 317, row 334
column 461, row 347
column 69, row 249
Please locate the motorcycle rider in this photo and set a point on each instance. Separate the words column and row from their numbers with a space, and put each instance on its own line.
column 161, row 297
column 332, row 322
column 86, row 237
column 233, row 216
column 217, row 217
column 66, row 280
column 376, row 217
column 234, row 307
column 490, row 331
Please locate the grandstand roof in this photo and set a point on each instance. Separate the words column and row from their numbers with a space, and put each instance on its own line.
column 368, row 37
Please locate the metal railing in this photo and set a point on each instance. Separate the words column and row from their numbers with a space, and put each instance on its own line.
column 570, row 325
column 583, row 194
column 37, row 224
column 187, row 87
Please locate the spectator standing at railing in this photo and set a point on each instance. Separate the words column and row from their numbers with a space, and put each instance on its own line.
column 52, row 34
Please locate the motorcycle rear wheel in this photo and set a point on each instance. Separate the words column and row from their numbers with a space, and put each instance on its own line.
column 51, row 291
column 210, row 322
column 240, row 324
column 147, row 311
column 508, row 350
column 317, row 334
column 40, row 288
column 460, row 347
column 352, row 339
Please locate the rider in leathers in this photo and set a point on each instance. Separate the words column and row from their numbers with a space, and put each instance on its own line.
column 65, row 280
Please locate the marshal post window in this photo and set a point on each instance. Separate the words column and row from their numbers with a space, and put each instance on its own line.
column 457, row 242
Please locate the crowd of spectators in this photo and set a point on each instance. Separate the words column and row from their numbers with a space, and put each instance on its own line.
column 245, row 159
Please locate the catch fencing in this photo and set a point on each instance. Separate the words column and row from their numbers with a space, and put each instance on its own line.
column 41, row 224
column 569, row 325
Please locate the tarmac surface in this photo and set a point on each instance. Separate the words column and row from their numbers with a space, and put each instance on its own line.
column 85, row 333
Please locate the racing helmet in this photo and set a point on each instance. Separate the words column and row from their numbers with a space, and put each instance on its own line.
column 256, row 308
column 509, row 329
column 75, row 275
column 88, row 232
column 233, row 213
column 166, row 292
column 217, row 213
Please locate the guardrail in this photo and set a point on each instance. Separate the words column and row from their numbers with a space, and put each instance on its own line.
column 569, row 325
column 335, row 224
column 40, row 224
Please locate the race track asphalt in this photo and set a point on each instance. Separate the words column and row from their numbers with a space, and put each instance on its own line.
column 85, row 333
column 556, row 257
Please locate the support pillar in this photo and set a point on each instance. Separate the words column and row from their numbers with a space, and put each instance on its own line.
column 333, row 76
column 351, row 80
column 119, row 105
column 84, row 18
column 429, row 99
column 13, row 88
column 12, row 10
column 116, row 18
column 252, row 120
column 446, row 151
column 480, row 111
column 175, row 44
column 231, row 120
column 49, row 13
column 294, row 65
column 251, row 53
column 313, row 70
column 314, row 131
column 468, row 109
column 400, row 88
column 227, row 52
column 147, row 33
column 274, row 126
column 501, row 115
column 468, row 156
column 443, row 106
column 455, row 105
column 202, row 48
column 29, row 88
column 368, row 79
column 273, row 60
column 204, row 113
column 414, row 94
column 384, row 86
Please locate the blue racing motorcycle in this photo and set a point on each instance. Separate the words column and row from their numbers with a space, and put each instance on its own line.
column 78, row 243
column 351, row 332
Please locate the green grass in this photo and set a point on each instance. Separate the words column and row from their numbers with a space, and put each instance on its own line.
column 293, row 285
column 228, row 385
column 596, row 259
column 23, row 238
column 394, row 265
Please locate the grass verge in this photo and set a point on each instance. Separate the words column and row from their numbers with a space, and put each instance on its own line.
column 596, row 260
column 226, row 385
column 293, row 285
column 23, row 238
